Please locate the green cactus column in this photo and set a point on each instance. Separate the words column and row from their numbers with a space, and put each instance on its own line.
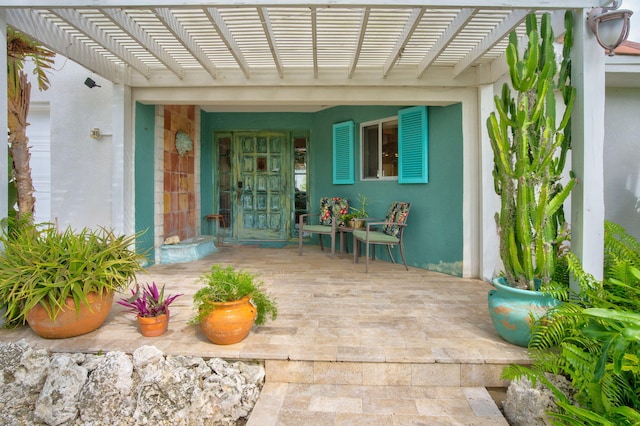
column 530, row 150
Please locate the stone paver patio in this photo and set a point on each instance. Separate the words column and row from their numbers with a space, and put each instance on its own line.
column 388, row 348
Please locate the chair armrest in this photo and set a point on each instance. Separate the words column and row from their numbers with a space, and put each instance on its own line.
column 403, row 224
column 364, row 219
column 301, row 218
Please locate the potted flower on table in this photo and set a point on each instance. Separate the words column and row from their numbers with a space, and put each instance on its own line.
column 151, row 308
column 350, row 218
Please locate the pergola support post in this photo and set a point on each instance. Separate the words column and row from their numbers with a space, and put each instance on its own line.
column 4, row 119
column 587, row 199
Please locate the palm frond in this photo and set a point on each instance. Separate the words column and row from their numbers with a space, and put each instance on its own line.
column 21, row 47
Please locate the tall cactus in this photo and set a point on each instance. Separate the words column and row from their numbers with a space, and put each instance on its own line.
column 530, row 151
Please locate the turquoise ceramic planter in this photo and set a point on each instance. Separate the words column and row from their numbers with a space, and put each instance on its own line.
column 511, row 308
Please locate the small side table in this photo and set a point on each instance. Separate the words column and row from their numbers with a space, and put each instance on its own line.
column 218, row 218
column 343, row 245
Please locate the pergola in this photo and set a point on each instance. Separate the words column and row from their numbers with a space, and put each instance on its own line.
column 287, row 55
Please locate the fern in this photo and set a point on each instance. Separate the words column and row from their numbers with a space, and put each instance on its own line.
column 593, row 338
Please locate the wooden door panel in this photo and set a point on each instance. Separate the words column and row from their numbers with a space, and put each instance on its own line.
column 264, row 196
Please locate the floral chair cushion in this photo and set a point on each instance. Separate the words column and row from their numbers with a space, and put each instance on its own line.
column 333, row 207
column 397, row 213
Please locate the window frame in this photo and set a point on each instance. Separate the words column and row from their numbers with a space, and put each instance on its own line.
column 379, row 122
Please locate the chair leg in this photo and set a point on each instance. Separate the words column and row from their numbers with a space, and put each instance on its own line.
column 402, row 254
column 390, row 254
column 320, row 238
column 333, row 245
column 300, row 241
column 366, row 268
column 355, row 252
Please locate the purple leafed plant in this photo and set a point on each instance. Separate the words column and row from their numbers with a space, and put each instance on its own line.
column 149, row 302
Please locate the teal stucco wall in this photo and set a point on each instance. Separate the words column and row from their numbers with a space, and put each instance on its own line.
column 434, row 236
column 435, row 230
column 144, row 169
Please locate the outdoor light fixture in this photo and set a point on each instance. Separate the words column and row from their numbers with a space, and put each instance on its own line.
column 610, row 25
column 96, row 133
column 90, row 83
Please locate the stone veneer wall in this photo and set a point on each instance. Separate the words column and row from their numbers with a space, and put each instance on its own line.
column 179, row 194
column 115, row 388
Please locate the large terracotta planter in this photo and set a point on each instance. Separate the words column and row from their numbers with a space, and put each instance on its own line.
column 511, row 310
column 153, row 326
column 69, row 322
column 229, row 322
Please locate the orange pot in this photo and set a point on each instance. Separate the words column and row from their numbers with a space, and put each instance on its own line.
column 71, row 322
column 153, row 326
column 229, row 322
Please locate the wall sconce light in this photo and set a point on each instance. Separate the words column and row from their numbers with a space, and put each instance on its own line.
column 90, row 83
column 97, row 134
column 610, row 25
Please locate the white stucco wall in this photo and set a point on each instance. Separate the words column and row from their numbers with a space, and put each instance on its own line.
column 81, row 170
column 622, row 158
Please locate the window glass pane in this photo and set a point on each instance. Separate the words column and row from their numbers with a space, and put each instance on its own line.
column 370, row 151
column 390, row 148
column 300, row 179
column 224, row 179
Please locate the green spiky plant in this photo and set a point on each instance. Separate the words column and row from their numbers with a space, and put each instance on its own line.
column 40, row 264
column 594, row 340
column 530, row 150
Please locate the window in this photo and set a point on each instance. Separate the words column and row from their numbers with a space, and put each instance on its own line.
column 380, row 149
column 224, row 178
column 300, row 150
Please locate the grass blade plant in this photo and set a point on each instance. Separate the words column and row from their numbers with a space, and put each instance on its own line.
column 40, row 264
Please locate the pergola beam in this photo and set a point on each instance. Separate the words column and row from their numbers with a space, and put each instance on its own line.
column 508, row 24
column 227, row 38
column 128, row 25
column 268, row 32
column 364, row 20
column 445, row 39
column 50, row 36
column 95, row 33
column 183, row 36
column 403, row 39
column 314, row 41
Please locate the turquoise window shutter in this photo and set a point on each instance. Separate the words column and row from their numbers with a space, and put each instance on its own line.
column 413, row 145
column 343, row 147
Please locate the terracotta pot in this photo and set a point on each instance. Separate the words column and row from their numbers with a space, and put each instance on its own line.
column 69, row 322
column 153, row 326
column 229, row 322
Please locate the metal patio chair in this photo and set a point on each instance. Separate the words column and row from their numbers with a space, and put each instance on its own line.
column 327, row 222
column 387, row 232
